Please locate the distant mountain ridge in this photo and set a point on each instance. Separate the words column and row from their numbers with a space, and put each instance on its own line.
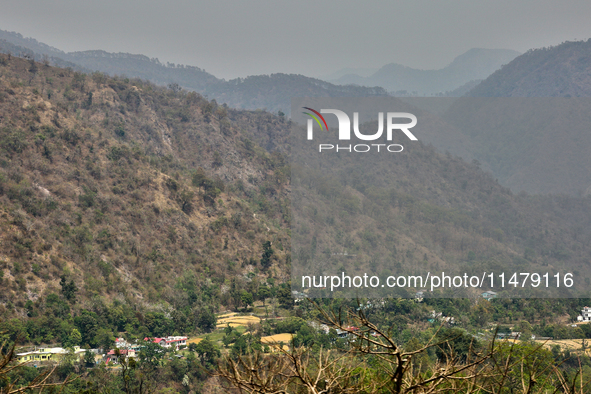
column 359, row 71
column 274, row 92
column 271, row 92
column 560, row 71
column 541, row 161
column 477, row 63
column 141, row 66
column 17, row 50
column 31, row 44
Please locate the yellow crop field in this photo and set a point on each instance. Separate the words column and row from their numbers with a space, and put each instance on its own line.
column 235, row 321
column 226, row 315
column 285, row 338
column 274, row 340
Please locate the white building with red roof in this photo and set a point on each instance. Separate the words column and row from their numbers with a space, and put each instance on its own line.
column 169, row 342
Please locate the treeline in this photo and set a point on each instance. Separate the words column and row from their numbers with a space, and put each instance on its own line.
column 57, row 319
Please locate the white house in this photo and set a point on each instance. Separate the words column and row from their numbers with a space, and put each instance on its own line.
column 585, row 315
column 168, row 342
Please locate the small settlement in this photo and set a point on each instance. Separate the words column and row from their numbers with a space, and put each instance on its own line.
column 122, row 348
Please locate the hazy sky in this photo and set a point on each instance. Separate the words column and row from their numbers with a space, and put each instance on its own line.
column 231, row 38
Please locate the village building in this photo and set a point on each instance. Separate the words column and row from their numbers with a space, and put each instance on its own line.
column 509, row 335
column 169, row 342
column 420, row 295
column 113, row 357
column 49, row 354
column 121, row 343
column 298, row 295
column 585, row 315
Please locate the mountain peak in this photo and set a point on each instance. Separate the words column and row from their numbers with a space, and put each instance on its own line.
column 474, row 64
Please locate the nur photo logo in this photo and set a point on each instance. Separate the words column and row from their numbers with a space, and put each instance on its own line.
column 395, row 122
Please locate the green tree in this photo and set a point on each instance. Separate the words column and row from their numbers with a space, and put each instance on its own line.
column 75, row 338
column 245, row 344
column 87, row 323
column 284, row 297
column 151, row 354
column 207, row 320
column 89, row 358
column 79, row 81
column 185, row 200
column 199, row 178
column 246, row 298
column 207, row 352
column 526, row 330
column 264, row 293
column 69, row 289
column 33, row 66
column 217, row 159
column 104, row 339
column 267, row 254
column 210, row 191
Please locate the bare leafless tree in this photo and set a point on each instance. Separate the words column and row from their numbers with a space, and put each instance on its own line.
column 292, row 371
column 375, row 363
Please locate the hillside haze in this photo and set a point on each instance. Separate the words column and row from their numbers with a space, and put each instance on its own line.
column 560, row 71
column 474, row 64
column 271, row 92
column 554, row 157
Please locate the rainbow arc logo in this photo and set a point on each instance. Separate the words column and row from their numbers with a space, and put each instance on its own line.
column 316, row 117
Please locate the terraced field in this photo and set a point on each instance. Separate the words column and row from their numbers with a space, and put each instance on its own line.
column 234, row 320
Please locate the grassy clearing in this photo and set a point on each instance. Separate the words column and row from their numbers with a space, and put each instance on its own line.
column 573, row 345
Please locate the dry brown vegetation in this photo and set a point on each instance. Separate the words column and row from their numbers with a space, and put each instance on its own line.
column 126, row 187
column 375, row 363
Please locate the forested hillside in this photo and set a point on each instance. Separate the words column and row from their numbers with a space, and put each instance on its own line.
column 119, row 186
column 115, row 189
column 418, row 211
column 559, row 71
column 132, row 210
